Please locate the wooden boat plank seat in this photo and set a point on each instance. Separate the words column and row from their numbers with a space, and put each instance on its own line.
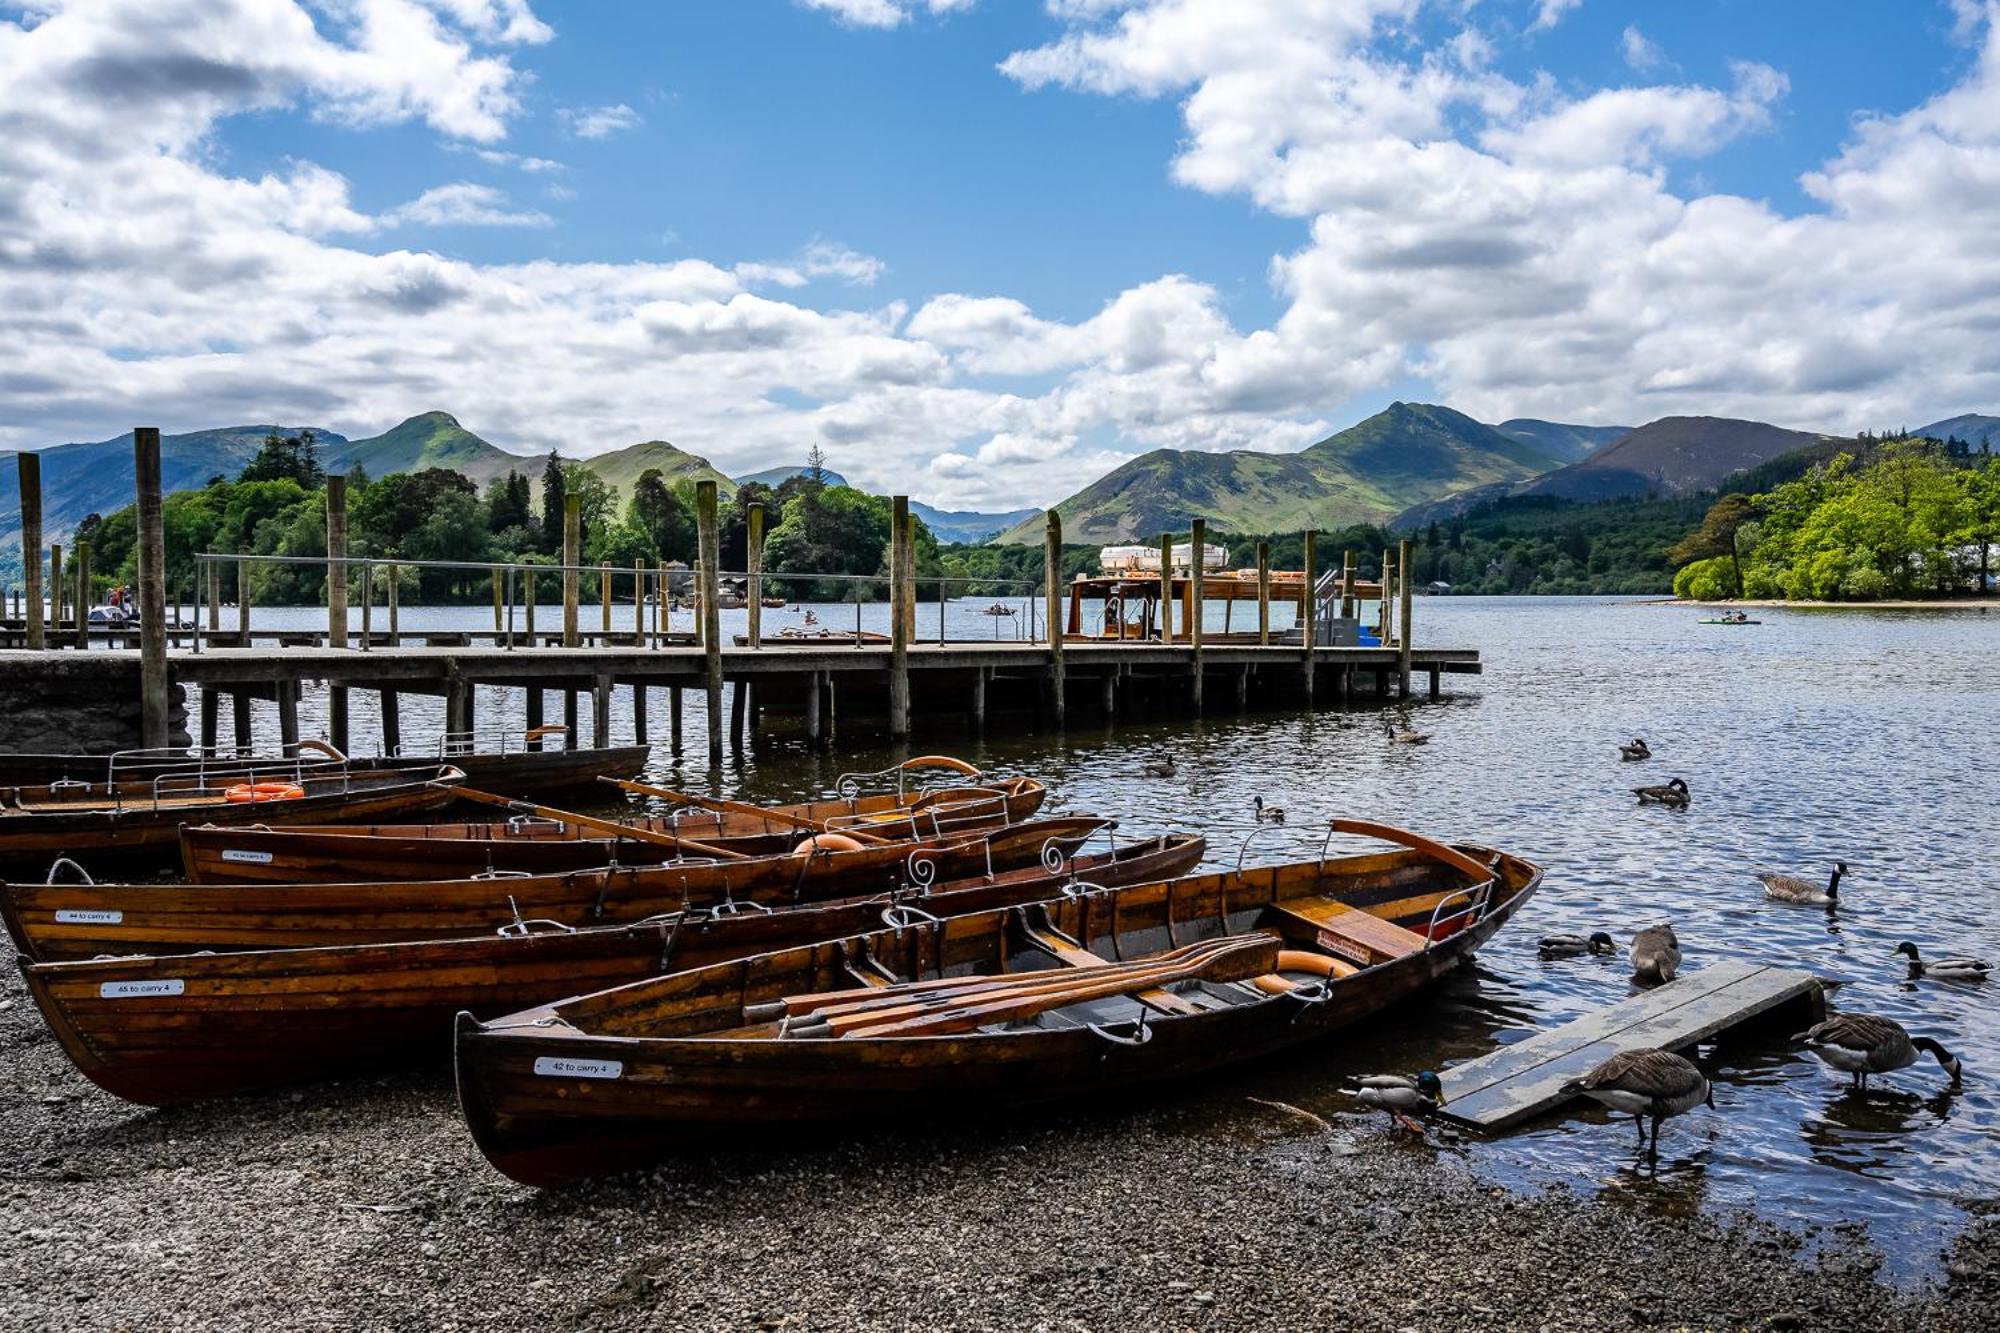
column 1074, row 955
column 1348, row 931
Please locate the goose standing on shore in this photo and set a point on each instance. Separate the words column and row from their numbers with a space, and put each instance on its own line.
column 1646, row 1084
column 1656, row 954
column 1673, row 795
column 1862, row 1044
column 1399, row 1096
column 1635, row 751
column 1575, row 946
column 1943, row 969
column 1791, row 889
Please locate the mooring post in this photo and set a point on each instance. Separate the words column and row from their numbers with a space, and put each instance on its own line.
column 709, row 544
column 211, row 714
column 288, row 717
column 753, row 519
column 674, row 716
column 55, row 588
column 152, row 554
column 572, row 552
column 392, row 723
column 528, row 605
column 604, row 602
column 80, row 571
column 1197, row 564
column 569, row 719
column 1347, row 607
column 243, row 600
column 813, row 688
column 1109, row 684
column 239, row 707
column 1403, row 593
column 899, row 621
column 497, row 625
column 531, row 715
column 395, row 631
column 600, row 713
column 739, row 701
column 639, row 727
column 336, row 561
column 1383, row 628
column 457, row 708
column 638, row 604
column 31, row 541
column 1263, row 594
column 1166, row 587
column 1308, row 613
column 214, row 598
column 367, row 604
column 1052, row 572
column 979, row 678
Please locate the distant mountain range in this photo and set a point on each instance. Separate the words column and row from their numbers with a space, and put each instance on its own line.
column 1572, row 444
column 1973, row 428
column 775, row 477
column 1370, row 472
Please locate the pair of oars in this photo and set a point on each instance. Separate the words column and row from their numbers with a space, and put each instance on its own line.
column 724, row 807
column 1229, row 958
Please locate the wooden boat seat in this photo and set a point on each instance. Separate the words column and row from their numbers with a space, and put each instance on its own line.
column 1347, row 932
column 1072, row 954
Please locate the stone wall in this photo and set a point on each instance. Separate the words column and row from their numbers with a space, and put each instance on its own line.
column 77, row 703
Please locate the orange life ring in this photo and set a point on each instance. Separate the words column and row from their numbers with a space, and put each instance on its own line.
column 1293, row 960
column 245, row 793
column 826, row 842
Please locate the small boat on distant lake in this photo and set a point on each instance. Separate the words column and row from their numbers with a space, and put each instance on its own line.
column 997, row 610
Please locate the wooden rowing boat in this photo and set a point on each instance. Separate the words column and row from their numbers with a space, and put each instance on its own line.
column 55, row 921
column 327, row 854
column 143, row 816
column 609, row 1080
column 161, row 1030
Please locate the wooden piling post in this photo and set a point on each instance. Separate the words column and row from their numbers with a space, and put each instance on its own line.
column 572, row 547
column 80, row 571
column 288, row 717
column 211, row 714
column 753, row 518
column 1347, row 607
column 674, row 716
column 979, row 678
column 336, row 561
column 1052, row 570
column 31, row 541
column 531, row 708
column 498, row 623
column 1197, row 573
column 570, row 725
column 600, row 713
column 239, row 707
column 1308, row 614
column 392, row 723
column 639, row 727
column 709, row 544
column 1263, row 594
column 152, row 553
column 55, row 587
column 528, row 604
column 1110, row 688
column 395, row 631
column 1382, row 626
column 243, row 600
column 739, row 700
column 1166, row 587
column 638, row 604
column 1403, row 616
column 899, row 621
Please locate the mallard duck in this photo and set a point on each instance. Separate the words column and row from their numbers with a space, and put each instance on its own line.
column 1656, row 953
column 1791, row 889
column 1399, row 1096
column 1644, row 1084
column 1269, row 814
column 1403, row 735
column 1673, row 795
column 1636, row 750
column 1161, row 768
column 1572, row 946
column 1944, row 969
column 1861, row 1044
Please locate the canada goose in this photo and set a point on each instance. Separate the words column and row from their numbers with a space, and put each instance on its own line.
column 1656, row 953
column 1674, row 795
column 1861, row 1044
column 1403, row 735
column 1944, row 969
column 1269, row 814
column 1572, row 946
column 1791, row 889
column 1160, row 768
column 1636, row 750
column 1645, row 1083
column 1399, row 1095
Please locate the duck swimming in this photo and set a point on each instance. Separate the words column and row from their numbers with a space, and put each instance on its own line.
column 1943, row 969
column 1574, row 946
column 1636, row 750
column 1646, row 1084
column 1862, row 1044
column 1791, row 889
column 1674, row 795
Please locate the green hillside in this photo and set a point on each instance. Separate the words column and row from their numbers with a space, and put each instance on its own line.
column 1366, row 474
column 622, row 467
column 434, row 439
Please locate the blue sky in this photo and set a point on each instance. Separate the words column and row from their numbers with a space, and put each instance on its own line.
column 989, row 248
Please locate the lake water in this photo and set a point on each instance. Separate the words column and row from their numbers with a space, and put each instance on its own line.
column 1815, row 736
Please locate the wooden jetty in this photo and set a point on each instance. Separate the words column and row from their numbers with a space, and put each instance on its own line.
column 1518, row 1082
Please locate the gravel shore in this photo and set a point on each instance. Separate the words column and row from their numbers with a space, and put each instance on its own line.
column 364, row 1205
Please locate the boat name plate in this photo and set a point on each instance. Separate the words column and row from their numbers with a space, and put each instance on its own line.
column 246, row 857
column 89, row 916
column 132, row 990
column 562, row 1066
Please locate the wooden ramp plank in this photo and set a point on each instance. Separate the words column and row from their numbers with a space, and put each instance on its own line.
column 1526, row 1078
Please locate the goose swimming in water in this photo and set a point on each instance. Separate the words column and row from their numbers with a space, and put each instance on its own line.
column 1636, row 750
column 1160, row 768
column 1861, row 1044
column 1269, row 814
column 1673, row 795
column 1573, row 946
column 1791, row 889
column 1399, row 1096
column 1403, row 735
column 1656, row 954
column 1646, row 1084
column 1944, row 969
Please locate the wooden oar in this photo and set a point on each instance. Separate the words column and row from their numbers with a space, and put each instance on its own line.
column 609, row 826
column 721, row 806
column 1416, row 842
column 1057, row 987
column 1249, row 956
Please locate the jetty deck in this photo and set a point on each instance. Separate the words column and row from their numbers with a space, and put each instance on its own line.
column 1524, row 1080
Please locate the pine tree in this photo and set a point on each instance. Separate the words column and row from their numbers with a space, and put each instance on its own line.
column 553, row 490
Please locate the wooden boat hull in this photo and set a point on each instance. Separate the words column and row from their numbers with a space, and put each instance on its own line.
column 50, row 922
column 579, row 1088
column 334, row 854
column 518, row 773
column 68, row 826
column 163, row 1030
